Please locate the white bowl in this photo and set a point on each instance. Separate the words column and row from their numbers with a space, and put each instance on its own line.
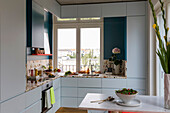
column 126, row 98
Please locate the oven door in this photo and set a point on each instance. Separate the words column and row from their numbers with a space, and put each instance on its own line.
column 46, row 100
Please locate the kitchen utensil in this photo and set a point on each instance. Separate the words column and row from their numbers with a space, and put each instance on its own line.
column 101, row 101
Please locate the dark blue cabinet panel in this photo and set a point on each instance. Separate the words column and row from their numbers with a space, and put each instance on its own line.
column 48, row 27
column 115, row 36
column 35, row 25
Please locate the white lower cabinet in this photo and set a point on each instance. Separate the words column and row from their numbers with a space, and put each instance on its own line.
column 79, row 101
column 89, row 82
column 56, row 83
column 35, row 108
column 69, row 92
column 68, row 82
column 57, row 93
column 32, row 96
column 57, row 104
column 69, row 102
column 14, row 105
column 74, row 91
column 83, row 91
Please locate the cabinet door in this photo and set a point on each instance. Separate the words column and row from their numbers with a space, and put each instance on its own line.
column 56, row 83
column 35, row 108
column 57, row 93
column 83, row 91
column 15, row 105
column 68, row 82
column 136, row 8
column 93, row 10
column 113, row 83
column 37, row 26
column 136, row 47
column 69, row 11
column 114, row 10
column 32, row 96
column 89, row 82
column 79, row 100
column 68, row 102
column 69, row 92
column 12, row 50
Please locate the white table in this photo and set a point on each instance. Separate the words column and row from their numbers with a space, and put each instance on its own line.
column 151, row 104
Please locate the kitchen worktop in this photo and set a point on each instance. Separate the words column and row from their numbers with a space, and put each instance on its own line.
column 100, row 76
column 151, row 104
column 31, row 86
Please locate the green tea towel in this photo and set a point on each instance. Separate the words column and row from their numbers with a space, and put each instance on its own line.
column 52, row 95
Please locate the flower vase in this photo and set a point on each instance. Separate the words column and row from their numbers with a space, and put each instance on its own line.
column 117, row 69
column 167, row 91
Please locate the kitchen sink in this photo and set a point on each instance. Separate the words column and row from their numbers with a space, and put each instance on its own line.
column 90, row 74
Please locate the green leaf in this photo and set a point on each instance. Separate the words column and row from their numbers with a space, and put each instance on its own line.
column 162, row 61
column 168, row 57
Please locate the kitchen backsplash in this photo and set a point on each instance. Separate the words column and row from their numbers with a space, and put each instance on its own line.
column 110, row 64
column 38, row 63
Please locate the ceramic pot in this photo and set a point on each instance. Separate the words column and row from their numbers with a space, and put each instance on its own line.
column 167, row 91
column 117, row 69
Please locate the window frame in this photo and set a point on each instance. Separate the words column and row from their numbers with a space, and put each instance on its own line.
column 78, row 25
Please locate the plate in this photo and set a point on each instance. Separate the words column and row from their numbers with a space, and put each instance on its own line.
column 133, row 103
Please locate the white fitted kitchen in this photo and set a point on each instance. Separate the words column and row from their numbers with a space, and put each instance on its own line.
column 36, row 70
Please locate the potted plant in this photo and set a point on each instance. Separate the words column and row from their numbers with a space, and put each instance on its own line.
column 117, row 62
column 163, row 52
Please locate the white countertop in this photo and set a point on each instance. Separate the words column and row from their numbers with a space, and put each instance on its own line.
column 153, row 104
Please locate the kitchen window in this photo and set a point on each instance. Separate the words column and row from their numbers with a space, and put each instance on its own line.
column 90, row 48
column 67, row 49
column 78, row 45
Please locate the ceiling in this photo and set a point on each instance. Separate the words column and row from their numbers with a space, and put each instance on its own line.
column 75, row 2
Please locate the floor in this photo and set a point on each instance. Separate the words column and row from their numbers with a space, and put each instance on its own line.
column 74, row 110
column 70, row 110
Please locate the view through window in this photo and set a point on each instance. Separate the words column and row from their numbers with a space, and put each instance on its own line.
column 90, row 49
column 67, row 49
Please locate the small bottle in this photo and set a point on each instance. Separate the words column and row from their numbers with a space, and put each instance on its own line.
column 32, row 72
column 36, row 72
column 88, row 71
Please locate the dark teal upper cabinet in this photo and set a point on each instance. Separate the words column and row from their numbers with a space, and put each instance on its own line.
column 115, row 36
column 35, row 25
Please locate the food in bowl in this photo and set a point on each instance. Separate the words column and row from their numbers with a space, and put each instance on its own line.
column 126, row 95
column 127, row 91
